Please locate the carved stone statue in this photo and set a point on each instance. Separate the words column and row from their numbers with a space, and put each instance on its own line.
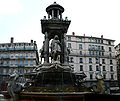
column 100, row 88
column 68, row 52
column 42, row 51
column 55, row 48
column 12, row 86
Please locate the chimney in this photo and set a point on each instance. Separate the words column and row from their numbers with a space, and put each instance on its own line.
column 12, row 39
column 31, row 41
column 73, row 33
column 101, row 36
column 34, row 42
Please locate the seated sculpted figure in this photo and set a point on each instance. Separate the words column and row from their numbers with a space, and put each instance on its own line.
column 55, row 48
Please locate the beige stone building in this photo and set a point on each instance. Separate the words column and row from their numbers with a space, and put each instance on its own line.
column 117, row 48
column 91, row 54
column 21, row 56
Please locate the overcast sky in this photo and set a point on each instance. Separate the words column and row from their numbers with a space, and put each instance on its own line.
column 21, row 19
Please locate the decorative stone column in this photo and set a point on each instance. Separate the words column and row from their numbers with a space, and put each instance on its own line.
column 49, row 15
column 60, row 16
column 57, row 13
column 52, row 13
column 65, row 51
column 62, row 49
column 46, row 48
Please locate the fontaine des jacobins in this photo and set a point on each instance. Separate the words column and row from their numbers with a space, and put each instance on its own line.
column 53, row 78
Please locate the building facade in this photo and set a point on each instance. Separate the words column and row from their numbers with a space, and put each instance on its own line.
column 117, row 48
column 92, row 54
column 22, row 57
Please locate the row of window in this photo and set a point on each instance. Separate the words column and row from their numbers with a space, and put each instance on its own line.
column 19, row 70
column 95, row 47
column 16, row 45
column 97, row 68
column 91, row 47
column 104, row 76
column 89, row 39
column 100, row 41
column 71, row 59
column 96, row 53
column 18, row 48
column 70, row 46
column 17, row 55
column 17, row 63
column 95, row 40
column 79, row 38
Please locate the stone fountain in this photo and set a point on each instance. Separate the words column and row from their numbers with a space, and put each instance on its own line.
column 54, row 78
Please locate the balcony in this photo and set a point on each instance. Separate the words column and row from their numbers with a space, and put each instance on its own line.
column 4, row 49
column 18, row 48
column 11, row 49
column 91, row 49
column 104, row 72
column 4, row 65
column 30, row 48
column 4, row 73
column 20, row 65
column 21, row 57
column 5, row 57
column 90, row 55
column 20, row 73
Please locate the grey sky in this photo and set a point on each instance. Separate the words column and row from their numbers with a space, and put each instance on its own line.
column 21, row 18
